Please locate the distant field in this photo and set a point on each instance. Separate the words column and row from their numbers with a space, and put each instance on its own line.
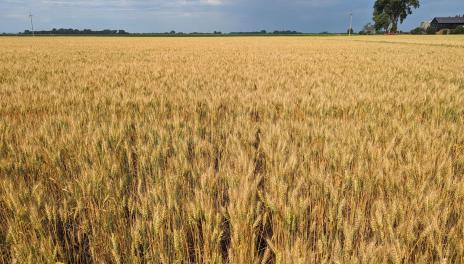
column 232, row 150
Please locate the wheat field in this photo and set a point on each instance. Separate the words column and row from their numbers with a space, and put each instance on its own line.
column 232, row 150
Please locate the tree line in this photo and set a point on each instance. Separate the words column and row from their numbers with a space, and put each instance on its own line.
column 71, row 31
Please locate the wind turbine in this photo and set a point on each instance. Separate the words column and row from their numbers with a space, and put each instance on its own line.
column 32, row 24
column 351, row 24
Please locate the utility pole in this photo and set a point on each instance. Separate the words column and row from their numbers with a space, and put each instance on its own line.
column 351, row 24
column 32, row 24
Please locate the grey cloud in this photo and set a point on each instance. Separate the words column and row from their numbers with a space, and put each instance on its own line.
column 205, row 15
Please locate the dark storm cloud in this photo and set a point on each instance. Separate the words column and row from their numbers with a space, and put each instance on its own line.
column 205, row 15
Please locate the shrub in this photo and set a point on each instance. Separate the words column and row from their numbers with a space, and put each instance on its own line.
column 444, row 32
column 458, row 30
column 431, row 31
column 418, row 31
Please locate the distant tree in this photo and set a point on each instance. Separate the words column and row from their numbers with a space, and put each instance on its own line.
column 350, row 31
column 172, row 32
column 388, row 13
column 286, row 32
column 368, row 29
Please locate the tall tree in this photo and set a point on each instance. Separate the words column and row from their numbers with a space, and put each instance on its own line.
column 390, row 12
column 382, row 21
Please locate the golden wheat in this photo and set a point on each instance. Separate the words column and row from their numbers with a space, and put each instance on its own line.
column 232, row 150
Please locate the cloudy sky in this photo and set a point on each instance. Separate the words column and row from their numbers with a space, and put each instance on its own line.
column 205, row 15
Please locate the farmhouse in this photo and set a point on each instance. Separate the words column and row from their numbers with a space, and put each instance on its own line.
column 440, row 23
